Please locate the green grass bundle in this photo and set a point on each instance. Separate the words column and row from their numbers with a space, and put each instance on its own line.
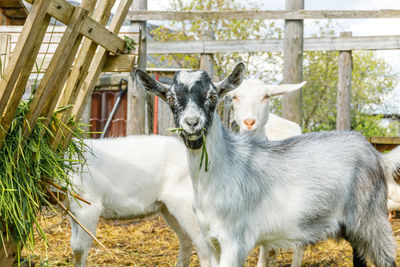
column 24, row 164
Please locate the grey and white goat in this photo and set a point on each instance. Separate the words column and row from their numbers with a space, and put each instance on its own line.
column 280, row 194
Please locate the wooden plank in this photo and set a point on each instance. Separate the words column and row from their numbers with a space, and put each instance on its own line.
column 5, row 51
column 297, row 14
column 23, row 51
column 98, row 63
column 244, row 46
column 137, row 114
column 53, row 78
column 122, row 63
column 293, row 63
column 384, row 140
column 62, row 10
column 206, row 59
column 81, row 67
column 343, row 116
column 275, row 45
column 19, row 88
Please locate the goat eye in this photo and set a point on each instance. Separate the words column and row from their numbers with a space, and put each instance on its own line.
column 213, row 97
column 235, row 99
column 171, row 100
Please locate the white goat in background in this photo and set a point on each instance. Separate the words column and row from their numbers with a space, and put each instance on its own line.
column 277, row 193
column 251, row 112
column 133, row 177
column 251, row 109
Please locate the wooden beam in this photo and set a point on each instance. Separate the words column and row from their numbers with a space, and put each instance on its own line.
column 30, row 35
column 5, row 51
column 62, row 11
column 80, row 69
column 99, row 61
column 121, row 63
column 137, row 115
column 293, row 63
column 343, row 116
column 261, row 14
column 275, row 45
column 206, row 59
column 19, row 88
column 59, row 66
column 296, row 14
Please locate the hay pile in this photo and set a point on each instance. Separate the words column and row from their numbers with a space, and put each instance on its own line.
column 152, row 243
column 25, row 166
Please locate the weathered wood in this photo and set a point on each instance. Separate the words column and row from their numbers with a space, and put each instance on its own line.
column 22, row 51
column 5, row 51
column 99, row 61
column 19, row 88
column 62, row 10
column 80, row 69
column 383, row 144
column 293, row 63
column 56, row 32
column 60, row 64
column 206, row 59
column 343, row 117
column 274, row 45
column 121, row 63
column 296, row 14
column 138, row 114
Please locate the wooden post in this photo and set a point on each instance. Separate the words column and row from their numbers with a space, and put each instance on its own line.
column 5, row 51
column 293, row 63
column 206, row 60
column 343, row 119
column 165, row 117
column 136, row 106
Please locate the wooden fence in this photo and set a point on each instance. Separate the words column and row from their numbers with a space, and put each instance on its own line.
column 292, row 45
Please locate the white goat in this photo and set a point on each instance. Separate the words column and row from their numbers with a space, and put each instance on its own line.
column 251, row 111
column 393, row 186
column 133, row 177
column 284, row 193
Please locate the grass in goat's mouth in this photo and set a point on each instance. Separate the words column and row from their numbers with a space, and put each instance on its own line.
column 204, row 153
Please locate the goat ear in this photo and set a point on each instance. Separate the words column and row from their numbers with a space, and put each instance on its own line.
column 274, row 90
column 232, row 82
column 150, row 85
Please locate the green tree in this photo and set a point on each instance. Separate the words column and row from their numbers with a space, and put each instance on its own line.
column 223, row 30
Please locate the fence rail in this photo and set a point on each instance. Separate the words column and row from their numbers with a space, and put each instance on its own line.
column 275, row 45
column 258, row 14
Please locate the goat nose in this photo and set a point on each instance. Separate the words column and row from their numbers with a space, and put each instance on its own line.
column 193, row 122
column 249, row 122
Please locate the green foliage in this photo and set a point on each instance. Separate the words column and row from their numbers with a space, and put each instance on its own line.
column 129, row 44
column 372, row 80
column 24, row 165
column 222, row 30
column 372, row 77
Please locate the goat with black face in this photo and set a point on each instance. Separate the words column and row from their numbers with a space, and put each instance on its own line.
column 278, row 194
column 192, row 98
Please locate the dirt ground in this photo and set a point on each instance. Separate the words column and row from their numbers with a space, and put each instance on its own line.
column 152, row 243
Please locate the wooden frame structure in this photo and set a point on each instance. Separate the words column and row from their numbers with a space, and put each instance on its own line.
column 72, row 72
